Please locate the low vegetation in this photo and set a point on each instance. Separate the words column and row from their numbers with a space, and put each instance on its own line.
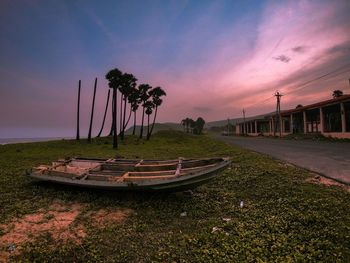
column 257, row 210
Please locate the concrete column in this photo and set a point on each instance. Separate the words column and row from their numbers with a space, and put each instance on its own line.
column 256, row 126
column 343, row 119
column 273, row 132
column 305, row 123
column 291, row 126
column 321, row 121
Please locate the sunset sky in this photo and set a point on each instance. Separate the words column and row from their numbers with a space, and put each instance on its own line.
column 213, row 58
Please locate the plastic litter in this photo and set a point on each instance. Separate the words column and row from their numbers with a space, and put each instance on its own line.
column 12, row 247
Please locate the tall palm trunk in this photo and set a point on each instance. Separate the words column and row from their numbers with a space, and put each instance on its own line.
column 121, row 114
column 104, row 116
column 115, row 134
column 78, row 112
column 154, row 120
column 148, row 126
column 134, row 129
column 129, row 117
column 143, row 117
column 123, row 128
column 113, row 115
column 92, row 111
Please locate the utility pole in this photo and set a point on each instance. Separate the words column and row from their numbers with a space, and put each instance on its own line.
column 278, row 112
column 228, row 126
column 244, row 128
column 78, row 112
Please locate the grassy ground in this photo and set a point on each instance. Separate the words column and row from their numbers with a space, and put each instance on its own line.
column 284, row 218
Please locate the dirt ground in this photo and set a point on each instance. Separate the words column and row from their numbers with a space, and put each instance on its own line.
column 60, row 221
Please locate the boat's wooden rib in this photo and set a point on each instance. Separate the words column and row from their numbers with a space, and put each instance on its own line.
column 123, row 174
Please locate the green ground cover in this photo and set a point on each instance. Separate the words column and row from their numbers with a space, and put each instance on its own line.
column 284, row 217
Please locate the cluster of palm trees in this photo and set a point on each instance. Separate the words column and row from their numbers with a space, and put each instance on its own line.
column 134, row 95
column 191, row 126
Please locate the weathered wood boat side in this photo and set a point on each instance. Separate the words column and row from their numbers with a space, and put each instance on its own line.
column 126, row 174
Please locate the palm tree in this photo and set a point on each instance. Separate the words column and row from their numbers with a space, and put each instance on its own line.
column 78, row 112
column 187, row 124
column 104, row 115
column 128, row 83
column 199, row 125
column 114, row 79
column 156, row 93
column 149, row 109
column 337, row 93
column 92, row 111
column 183, row 123
column 134, row 100
column 143, row 93
column 192, row 124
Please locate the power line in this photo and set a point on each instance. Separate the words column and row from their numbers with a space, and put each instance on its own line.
column 305, row 84
column 302, row 86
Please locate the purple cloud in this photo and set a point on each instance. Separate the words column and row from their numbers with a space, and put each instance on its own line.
column 282, row 58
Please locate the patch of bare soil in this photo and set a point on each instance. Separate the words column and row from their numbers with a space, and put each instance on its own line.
column 318, row 179
column 58, row 221
column 104, row 217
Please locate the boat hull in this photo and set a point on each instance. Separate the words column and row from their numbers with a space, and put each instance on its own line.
column 175, row 183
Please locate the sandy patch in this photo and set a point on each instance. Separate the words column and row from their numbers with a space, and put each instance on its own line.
column 318, row 179
column 58, row 221
column 104, row 217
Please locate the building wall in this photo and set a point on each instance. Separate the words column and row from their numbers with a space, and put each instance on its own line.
column 334, row 122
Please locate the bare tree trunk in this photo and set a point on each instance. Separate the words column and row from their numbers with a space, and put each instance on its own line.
column 143, row 117
column 113, row 114
column 129, row 117
column 148, row 126
column 92, row 111
column 121, row 114
column 104, row 116
column 123, row 128
column 154, row 120
column 115, row 134
column 78, row 112
column 134, row 129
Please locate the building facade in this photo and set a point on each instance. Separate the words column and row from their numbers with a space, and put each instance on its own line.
column 330, row 118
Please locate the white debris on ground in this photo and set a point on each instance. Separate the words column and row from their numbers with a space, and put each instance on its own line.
column 216, row 229
column 241, row 204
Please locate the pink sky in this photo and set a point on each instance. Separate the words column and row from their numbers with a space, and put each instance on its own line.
column 209, row 66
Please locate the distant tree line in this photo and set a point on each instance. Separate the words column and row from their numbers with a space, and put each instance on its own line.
column 131, row 98
column 191, row 126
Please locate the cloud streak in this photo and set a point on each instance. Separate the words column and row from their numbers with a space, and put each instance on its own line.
column 213, row 59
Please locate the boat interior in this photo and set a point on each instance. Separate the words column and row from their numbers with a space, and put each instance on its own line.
column 126, row 170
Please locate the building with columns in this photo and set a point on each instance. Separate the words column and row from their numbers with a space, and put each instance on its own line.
column 330, row 118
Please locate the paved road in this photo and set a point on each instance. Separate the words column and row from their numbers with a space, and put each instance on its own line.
column 331, row 159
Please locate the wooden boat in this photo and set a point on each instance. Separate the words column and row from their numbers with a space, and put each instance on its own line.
column 131, row 174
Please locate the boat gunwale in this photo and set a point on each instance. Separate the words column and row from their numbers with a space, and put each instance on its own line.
column 140, row 184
